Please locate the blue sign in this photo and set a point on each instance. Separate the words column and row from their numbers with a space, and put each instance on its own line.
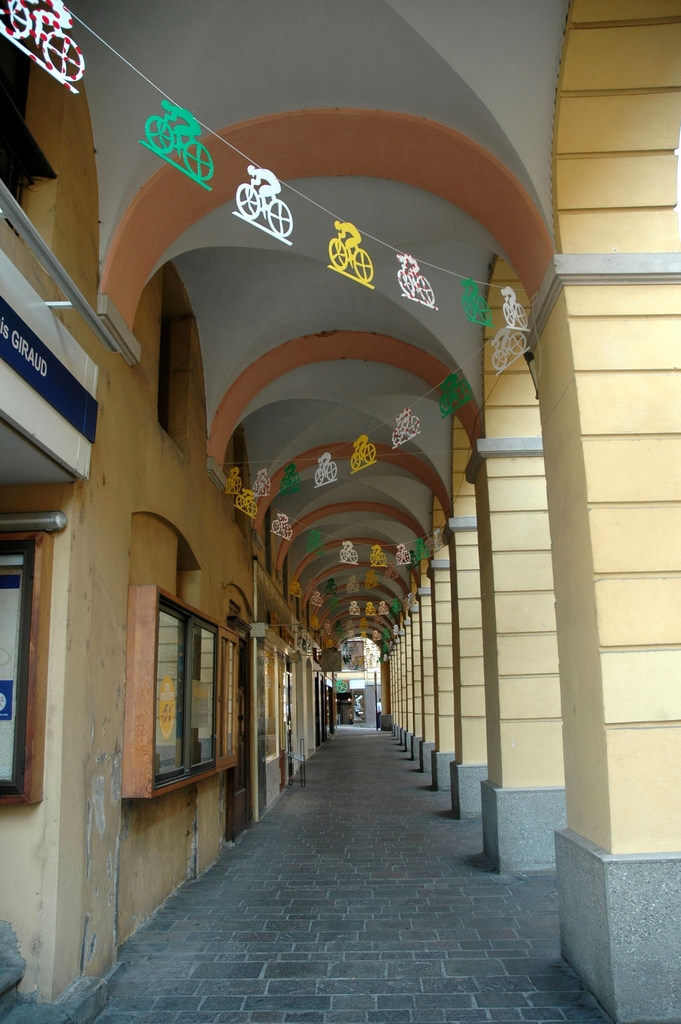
column 23, row 350
column 6, row 689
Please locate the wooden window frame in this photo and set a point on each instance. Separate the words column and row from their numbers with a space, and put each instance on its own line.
column 31, row 703
column 139, row 780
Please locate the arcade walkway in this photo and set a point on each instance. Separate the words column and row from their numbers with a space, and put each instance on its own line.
column 356, row 899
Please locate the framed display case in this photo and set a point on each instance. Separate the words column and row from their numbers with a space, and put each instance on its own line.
column 179, row 700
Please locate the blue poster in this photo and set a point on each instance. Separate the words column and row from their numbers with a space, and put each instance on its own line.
column 6, row 690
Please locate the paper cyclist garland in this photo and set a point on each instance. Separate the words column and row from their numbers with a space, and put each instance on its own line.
column 364, row 454
column 295, row 589
column 262, row 485
column 421, row 550
column 396, row 606
column 402, row 555
column 514, row 314
column 363, row 625
column 233, row 482
column 382, row 608
column 175, row 138
column 407, row 426
column 316, row 600
column 352, row 586
column 43, row 31
column 327, row 628
column 375, row 636
column 354, row 608
column 507, row 346
column 326, row 471
column 245, row 500
column 510, row 341
column 377, row 556
column 347, row 257
column 314, row 543
column 290, row 482
column 369, row 608
column 348, row 554
column 257, row 204
column 371, row 579
column 391, row 572
column 438, row 541
column 454, row 394
column 314, row 622
column 333, row 601
column 330, row 587
column 412, row 282
column 475, row 306
column 282, row 527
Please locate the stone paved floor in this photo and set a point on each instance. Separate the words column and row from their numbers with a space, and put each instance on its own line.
column 357, row 899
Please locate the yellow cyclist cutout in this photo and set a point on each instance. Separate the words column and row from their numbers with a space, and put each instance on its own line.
column 346, row 255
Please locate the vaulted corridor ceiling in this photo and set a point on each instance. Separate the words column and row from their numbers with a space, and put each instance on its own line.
column 375, row 112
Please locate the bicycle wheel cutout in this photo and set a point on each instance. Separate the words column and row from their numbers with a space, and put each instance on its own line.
column 198, row 161
column 279, row 218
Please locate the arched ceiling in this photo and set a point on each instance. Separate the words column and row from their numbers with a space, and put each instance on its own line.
column 426, row 125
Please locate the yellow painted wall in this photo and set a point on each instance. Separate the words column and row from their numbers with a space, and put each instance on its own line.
column 81, row 888
column 610, row 415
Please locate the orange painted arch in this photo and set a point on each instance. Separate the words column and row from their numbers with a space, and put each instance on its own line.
column 330, row 142
column 341, row 507
column 322, row 348
column 406, row 460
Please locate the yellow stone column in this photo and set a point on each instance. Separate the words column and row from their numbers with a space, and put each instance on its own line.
column 445, row 665
column 427, row 675
column 406, row 644
column 523, row 797
column 387, row 715
column 416, row 678
column 469, row 769
column 608, row 359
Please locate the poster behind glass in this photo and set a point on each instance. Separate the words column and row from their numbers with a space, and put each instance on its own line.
column 11, row 580
column 169, row 694
column 203, row 690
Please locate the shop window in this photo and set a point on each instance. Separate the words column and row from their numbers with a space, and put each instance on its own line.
column 173, row 732
column 24, row 595
column 21, row 159
column 271, row 745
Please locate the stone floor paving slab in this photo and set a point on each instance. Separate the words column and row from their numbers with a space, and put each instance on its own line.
column 358, row 899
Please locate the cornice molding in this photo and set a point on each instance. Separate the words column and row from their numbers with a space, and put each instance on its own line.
column 608, row 268
column 502, row 448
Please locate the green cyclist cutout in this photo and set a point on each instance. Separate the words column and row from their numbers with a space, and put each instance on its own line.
column 175, row 137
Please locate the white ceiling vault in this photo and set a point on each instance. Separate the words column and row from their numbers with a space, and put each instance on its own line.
column 318, row 344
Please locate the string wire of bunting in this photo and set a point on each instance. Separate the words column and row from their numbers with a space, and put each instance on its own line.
column 251, row 161
column 475, row 305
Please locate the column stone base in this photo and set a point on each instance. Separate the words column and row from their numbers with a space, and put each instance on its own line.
column 425, row 760
column 518, row 826
column 465, row 782
column 387, row 723
column 620, row 927
column 414, row 747
column 406, row 739
column 440, row 761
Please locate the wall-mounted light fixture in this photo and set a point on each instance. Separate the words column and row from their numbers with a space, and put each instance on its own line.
column 529, row 359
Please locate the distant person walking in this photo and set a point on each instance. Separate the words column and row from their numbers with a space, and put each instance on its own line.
column 378, row 714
